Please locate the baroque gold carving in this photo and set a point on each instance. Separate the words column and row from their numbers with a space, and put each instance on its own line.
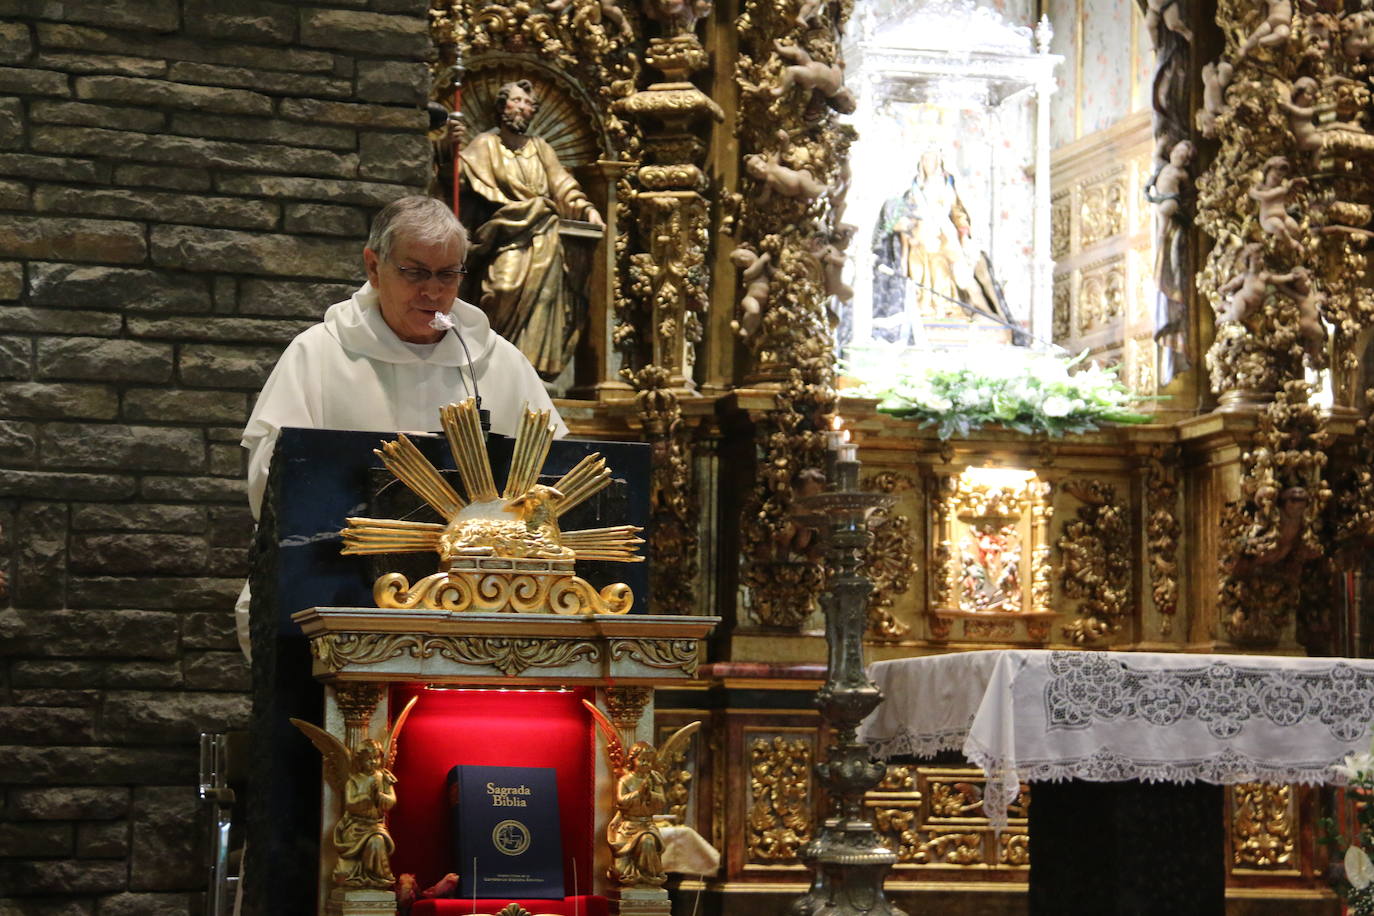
column 933, row 817
column 891, row 558
column 510, row 656
column 1263, row 826
column 500, row 591
column 779, row 821
column 1162, row 531
column 1102, row 213
column 1272, row 533
column 683, row 654
column 1096, row 561
column 1062, row 305
column 1061, row 225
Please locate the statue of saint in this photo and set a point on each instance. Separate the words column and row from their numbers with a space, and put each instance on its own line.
column 515, row 192
column 927, row 264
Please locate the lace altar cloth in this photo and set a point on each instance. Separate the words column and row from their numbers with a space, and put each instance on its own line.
column 1038, row 715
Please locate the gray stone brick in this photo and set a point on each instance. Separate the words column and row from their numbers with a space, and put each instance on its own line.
column 123, row 634
column 16, row 81
column 269, row 130
column 63, row 876
column 142, row 674
column 195, row 489
column 194, row 593
column 18, row 442
column 53, row 696
column 11, row 280
column 129, row 553
column 275, row 82
column 91, row 358
column 99, row 240
column 66, row 485
column 221, row 434
column 216, row 671
column 252, row 20
column 229, row 526
column 118, row 64
column 167, row 717
column 366, row 193
column 147, row 15
column 139, row 517
column 394, row 157
column 63, row 35
column 38, row 400
column 354, row 115
column 163, row 176
column 129, row 448
column 123, row 673
column 16, row 358
column 414, row 7
column 249, row 330
column 228, row 460
column 14, row 195
column 24, row 165
column 45, row 906
column 172, row 405
column 49, row 725
column 160, row 206
column 196, row 248
column 35, row 839
column 226, row 294
column 148, row 904
column 100, row 766
column 166, row 823
column 16, row 42
column 288, row 298
column 59, row 321
column 70, row 803
column 87, row 115
column 11, row 124
column 102, row 841
column 393, row 81
column 89, row 286
column 192, row 151
column 212, row 366
column 368, row 33
column 323, row 219
column 171, row 94
column 211, row 630
column 40, row 555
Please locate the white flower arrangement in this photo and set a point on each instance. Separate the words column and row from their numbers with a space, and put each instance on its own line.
column 1357, row 886
column 1021, row 389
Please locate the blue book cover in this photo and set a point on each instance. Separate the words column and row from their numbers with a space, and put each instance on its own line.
column 506, row 819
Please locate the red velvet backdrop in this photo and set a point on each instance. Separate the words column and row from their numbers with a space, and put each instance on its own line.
column 533, row 728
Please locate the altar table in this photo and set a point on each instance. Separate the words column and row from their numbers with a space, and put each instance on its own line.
column 1046, row 717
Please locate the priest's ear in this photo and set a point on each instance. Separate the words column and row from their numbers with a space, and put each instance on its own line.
column 373, row 264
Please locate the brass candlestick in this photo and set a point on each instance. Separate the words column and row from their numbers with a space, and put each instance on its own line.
column 848, row 859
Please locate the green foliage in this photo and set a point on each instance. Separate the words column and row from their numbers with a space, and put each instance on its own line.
column 960, row 391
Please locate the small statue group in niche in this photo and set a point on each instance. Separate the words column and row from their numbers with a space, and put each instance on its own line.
column 641, row 794
column 928, row 266
column 515, row 195
column 1274, row 193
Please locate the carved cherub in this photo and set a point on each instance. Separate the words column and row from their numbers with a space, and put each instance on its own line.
column 757, row 274
column 679, row 15
column 1357, row 41
column 807, row 10
column 1216, row 77
column 1170, row 184
column 1301, row 105
column 1273, row 194
column 777, row 178
column 365, row 786
column 1168, row 12
column 641, row 792
column 1249, row 286
column 831, row 257
column 813, row 75
column 1297, row 285
column 1275, row 29
column 602, row 9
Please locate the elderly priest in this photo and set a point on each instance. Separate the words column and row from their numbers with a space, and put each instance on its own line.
column 391, row 355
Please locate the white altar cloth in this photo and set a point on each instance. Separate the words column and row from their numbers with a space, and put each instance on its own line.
column 1036, row 715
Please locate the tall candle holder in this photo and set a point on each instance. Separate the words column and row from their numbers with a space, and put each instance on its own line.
column 848, row 859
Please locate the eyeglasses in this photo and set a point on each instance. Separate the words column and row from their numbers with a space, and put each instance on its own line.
column 418, row 276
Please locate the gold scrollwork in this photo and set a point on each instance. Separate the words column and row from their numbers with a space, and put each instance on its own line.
column 953, row 848
column 502, row 592
column 684, row 654
column 336, row 650
column 510, row 656
column 1162, row 531
column 1096, row 568
column 897, row 826
column 1263, row 829
column 891, row 558
column 1102, row 213
column 779, row 820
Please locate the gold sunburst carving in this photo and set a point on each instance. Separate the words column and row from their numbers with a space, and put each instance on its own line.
column 497, row 552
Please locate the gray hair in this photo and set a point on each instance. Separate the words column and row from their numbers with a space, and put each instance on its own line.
column 503, row 93
column 423, row 219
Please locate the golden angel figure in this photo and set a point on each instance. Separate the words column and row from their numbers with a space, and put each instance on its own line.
column 641, row 793
column 365, row 785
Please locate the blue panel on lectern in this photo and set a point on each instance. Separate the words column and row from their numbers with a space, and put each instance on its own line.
column 321, row 477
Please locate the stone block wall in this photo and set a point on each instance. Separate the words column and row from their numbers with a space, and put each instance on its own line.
column 184, row 186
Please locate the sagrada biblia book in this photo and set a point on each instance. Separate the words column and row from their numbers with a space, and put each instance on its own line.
column 506, row 832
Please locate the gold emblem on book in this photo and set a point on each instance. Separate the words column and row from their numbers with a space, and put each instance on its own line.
column 497, row 552
column 510, row 837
